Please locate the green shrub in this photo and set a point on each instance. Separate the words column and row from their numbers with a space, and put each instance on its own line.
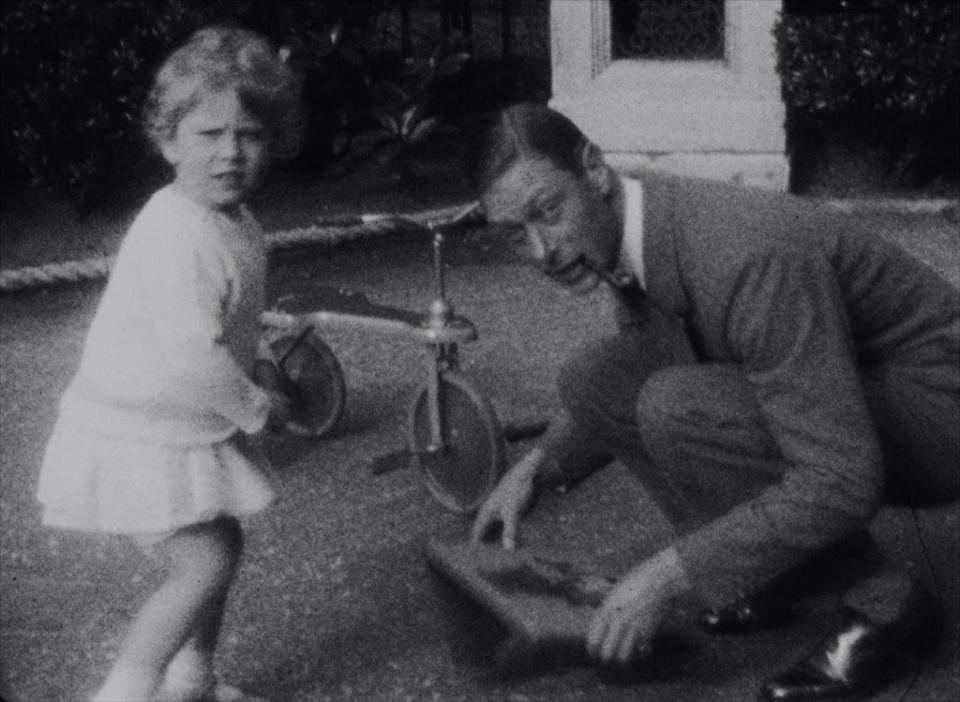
column 880, row 72
column 76, row 73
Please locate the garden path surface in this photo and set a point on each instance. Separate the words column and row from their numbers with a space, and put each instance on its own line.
column 333, row 599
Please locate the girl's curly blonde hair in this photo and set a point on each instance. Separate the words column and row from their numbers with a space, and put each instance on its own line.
column 221, row 58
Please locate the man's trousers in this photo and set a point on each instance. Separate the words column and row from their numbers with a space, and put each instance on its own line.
column 695, row 435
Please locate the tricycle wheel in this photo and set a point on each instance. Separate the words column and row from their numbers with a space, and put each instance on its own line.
column 314, row 381
column 461, row 476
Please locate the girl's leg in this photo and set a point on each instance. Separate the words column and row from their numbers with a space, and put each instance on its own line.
column 202, row 560
column 190, row 673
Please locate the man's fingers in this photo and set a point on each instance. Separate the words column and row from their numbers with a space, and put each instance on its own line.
column 476, row 531
column 611, row 639
column 509, row 537
column 481, row 524
column 630, row 643
column 597, row 632
column 486, row 520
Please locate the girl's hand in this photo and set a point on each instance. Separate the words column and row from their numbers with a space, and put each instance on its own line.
column 630, row 615
column 268, row 377
column 281, row 411
column 512, row 496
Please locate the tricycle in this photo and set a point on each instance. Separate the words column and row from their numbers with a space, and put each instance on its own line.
column 453, row 434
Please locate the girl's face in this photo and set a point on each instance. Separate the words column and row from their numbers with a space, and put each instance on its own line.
column 220, row 152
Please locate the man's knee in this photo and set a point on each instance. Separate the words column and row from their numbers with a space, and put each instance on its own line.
column 600, row 382
column 668, row 395
column 662, row 402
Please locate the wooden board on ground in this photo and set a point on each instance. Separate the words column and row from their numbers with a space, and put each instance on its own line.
column 541, row 598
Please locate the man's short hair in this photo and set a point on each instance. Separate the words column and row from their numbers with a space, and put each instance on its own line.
column 524, row 130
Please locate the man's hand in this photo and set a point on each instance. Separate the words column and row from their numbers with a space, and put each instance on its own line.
column 508, row 501
column 630, row 615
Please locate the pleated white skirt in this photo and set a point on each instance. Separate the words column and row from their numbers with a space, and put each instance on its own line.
column 92, row 482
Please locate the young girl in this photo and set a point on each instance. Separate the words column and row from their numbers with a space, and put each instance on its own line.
column 150, row 440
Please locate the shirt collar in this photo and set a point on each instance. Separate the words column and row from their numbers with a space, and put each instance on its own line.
column 631, row 248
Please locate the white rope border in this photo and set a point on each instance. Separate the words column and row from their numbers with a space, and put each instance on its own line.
column 328, row 233
column 350, row 228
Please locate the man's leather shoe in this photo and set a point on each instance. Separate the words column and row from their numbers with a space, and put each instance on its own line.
column 862, row 655
column 745, row 615
column 770, row 608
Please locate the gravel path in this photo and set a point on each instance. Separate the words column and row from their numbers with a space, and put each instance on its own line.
column 333, row 600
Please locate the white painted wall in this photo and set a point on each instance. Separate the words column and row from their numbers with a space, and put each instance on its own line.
column 720, row 119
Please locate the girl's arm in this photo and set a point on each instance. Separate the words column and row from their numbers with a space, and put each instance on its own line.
column 188, row 296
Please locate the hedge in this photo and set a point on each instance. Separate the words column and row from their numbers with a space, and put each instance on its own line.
column 884, row 72
column 76, row 73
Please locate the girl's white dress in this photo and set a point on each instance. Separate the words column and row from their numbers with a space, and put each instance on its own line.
column 150, row 435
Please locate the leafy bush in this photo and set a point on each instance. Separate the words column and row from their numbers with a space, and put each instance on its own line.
column 885, row 72
column 76, row 73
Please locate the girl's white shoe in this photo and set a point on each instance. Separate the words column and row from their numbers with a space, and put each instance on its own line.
column 215, row 693
column 229, row 693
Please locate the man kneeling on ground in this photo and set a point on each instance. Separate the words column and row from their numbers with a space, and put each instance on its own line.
column 777, row 375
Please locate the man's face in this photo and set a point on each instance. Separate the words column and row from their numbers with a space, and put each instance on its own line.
column 566, row 218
